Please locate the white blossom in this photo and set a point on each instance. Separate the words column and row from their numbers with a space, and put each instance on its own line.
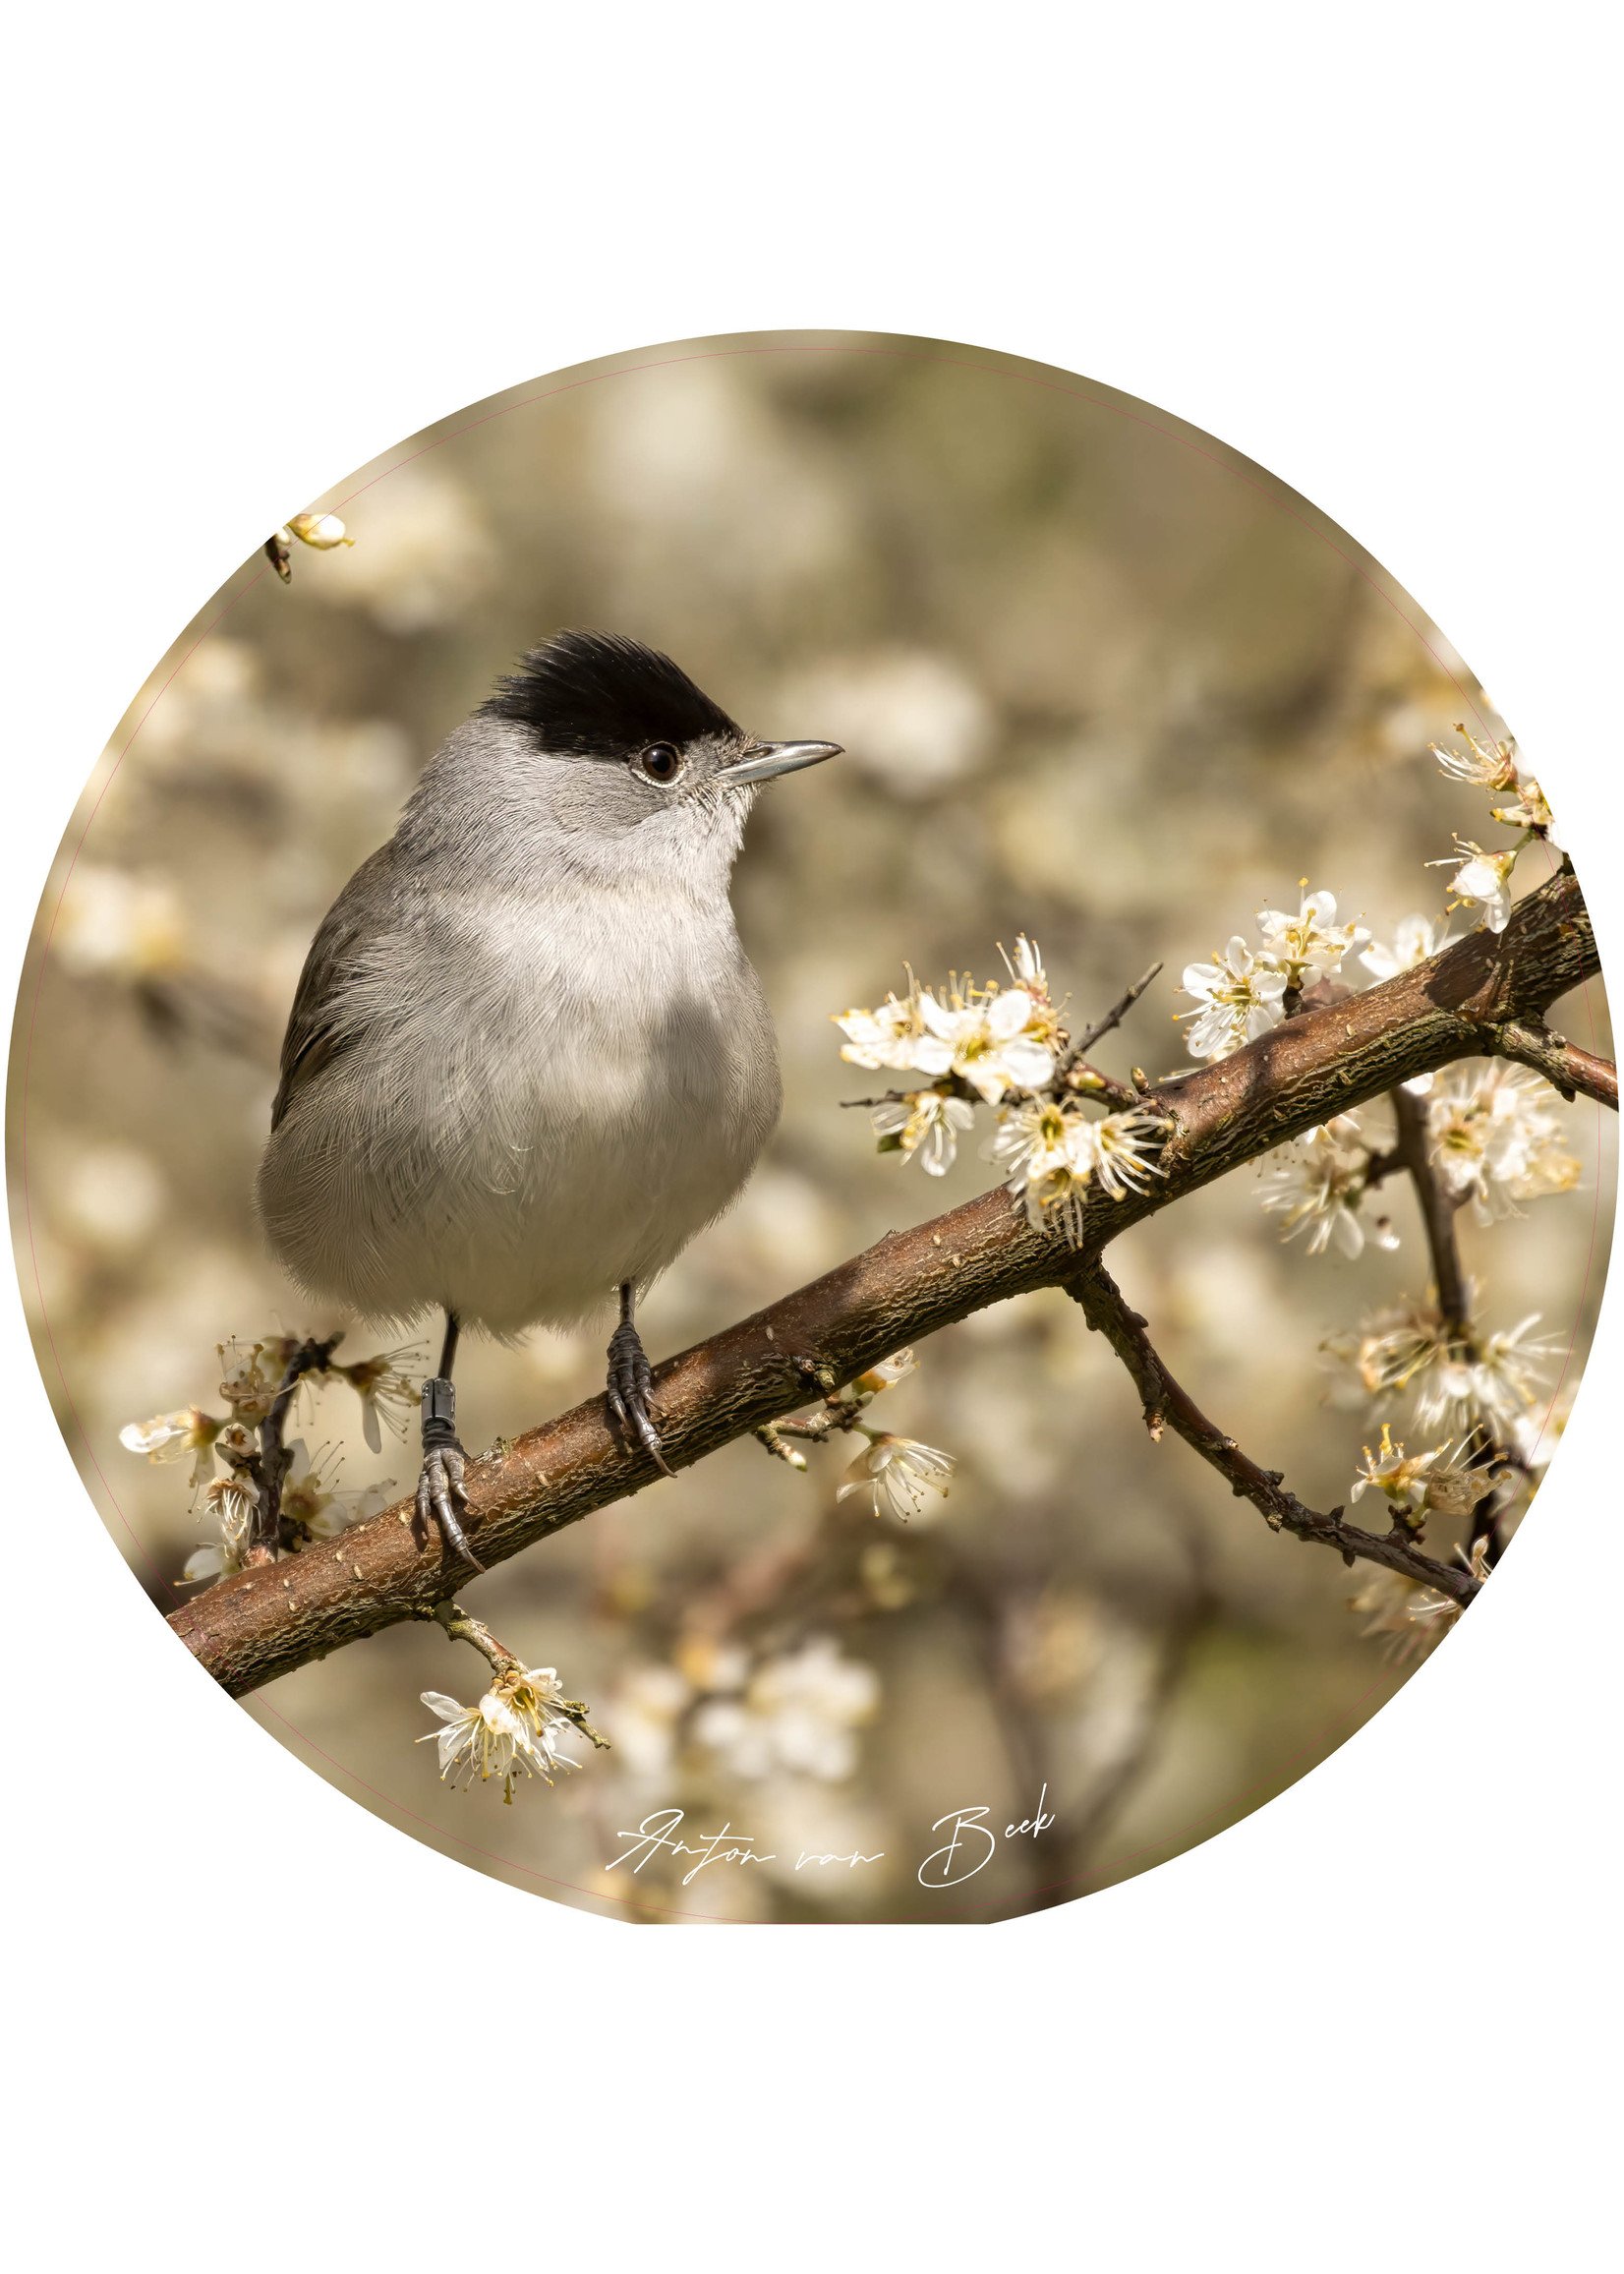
column 1485, row 765
column 926, row 1127
column 1508, row 1370
column 1412, row 1619
column 1532, row 811
column 231, row 1501
column 1052, row 1151
column 800, row 1712
column 514, row 1728
column 170, row 1436
column 251, row 1374
column 1537, row 1429
column 1238, row 997
column 887, row 1373
column 897, row 1474
column 885, row 1038
column 116, row 925
column 1027, row 967
column 1480, row 880
column 1309, row 946
column 1496, row 1138
column 993, row 1041
column 1455, row 1385
column 312, row 1500
column 1035, row 1137
column 1317, row 1188
column 1122, row 1145
column 1046, row 1152
column 1402, row 1479
column 1414, row 940
column 388, row 1394
column 643, row 1716
column 1492, row 766
column 1529, row 812
column 323, row 531
column 215, row 1559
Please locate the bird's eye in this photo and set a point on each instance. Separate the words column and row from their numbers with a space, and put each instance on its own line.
column 661, row 761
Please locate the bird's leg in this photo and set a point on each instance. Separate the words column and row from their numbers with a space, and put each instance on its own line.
column 440, row 1488
column 630, row 1382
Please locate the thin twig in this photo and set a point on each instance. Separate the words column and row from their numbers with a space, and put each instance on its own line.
column 1437, row 1207
column 461, row 1626
column 1116, row 1015
column 1168, row 1406
column 274, row 1458
column 1076, row 1072
column 1438, row 1211
column 1082, row 1077
column 1073, row 1072
column 1380, row 1166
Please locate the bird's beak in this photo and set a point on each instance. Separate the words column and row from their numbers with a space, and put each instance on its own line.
column 763, row 760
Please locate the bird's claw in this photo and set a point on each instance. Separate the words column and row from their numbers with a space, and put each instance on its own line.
column 440, row 1497
column 630, row 1386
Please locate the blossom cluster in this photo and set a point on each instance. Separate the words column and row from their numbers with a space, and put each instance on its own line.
column 224, row 1447
column 1002, row 1046
column 1455, row 1387
column 1482, row 875
column 1494, row 1137
column 1487, row 1134
column 751, row 1713
column 897, row 1475
column 991, row 1039
column 514, row 1728
column 1318, row 1187
column 1245, row 990
column 1413, row 1484
column 798, row 1711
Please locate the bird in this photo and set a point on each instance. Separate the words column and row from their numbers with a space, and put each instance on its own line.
column 528, row 1059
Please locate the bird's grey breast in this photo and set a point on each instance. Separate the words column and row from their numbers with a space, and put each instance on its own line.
column 631, row 1012
column 510, row 1102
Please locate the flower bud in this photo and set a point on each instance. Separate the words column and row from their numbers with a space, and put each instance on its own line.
column 321, row 530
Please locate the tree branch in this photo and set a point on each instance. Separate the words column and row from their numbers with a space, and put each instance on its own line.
column 1167, row 1406
column 261, row 1623
column 1568, row 1069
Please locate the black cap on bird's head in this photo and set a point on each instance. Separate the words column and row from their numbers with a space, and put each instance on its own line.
column 592, row 694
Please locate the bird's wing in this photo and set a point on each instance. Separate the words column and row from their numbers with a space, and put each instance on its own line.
column 315, row 1033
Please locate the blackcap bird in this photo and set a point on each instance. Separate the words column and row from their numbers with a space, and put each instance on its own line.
column 528, row 1059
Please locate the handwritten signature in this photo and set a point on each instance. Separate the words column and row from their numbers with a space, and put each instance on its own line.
column 657, row 1833
column 971, row 1846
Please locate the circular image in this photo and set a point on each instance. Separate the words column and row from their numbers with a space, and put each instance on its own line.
column 812, row 1127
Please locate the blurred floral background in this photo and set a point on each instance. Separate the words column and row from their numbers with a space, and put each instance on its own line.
column 1099, row 680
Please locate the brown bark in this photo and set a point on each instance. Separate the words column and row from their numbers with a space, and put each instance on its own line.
column 1574, row 1072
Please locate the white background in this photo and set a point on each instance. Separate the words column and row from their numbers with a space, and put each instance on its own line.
column 1375, row 2022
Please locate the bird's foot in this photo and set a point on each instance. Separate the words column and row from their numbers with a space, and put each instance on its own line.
column 440, row 1495
column 630, row 1383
